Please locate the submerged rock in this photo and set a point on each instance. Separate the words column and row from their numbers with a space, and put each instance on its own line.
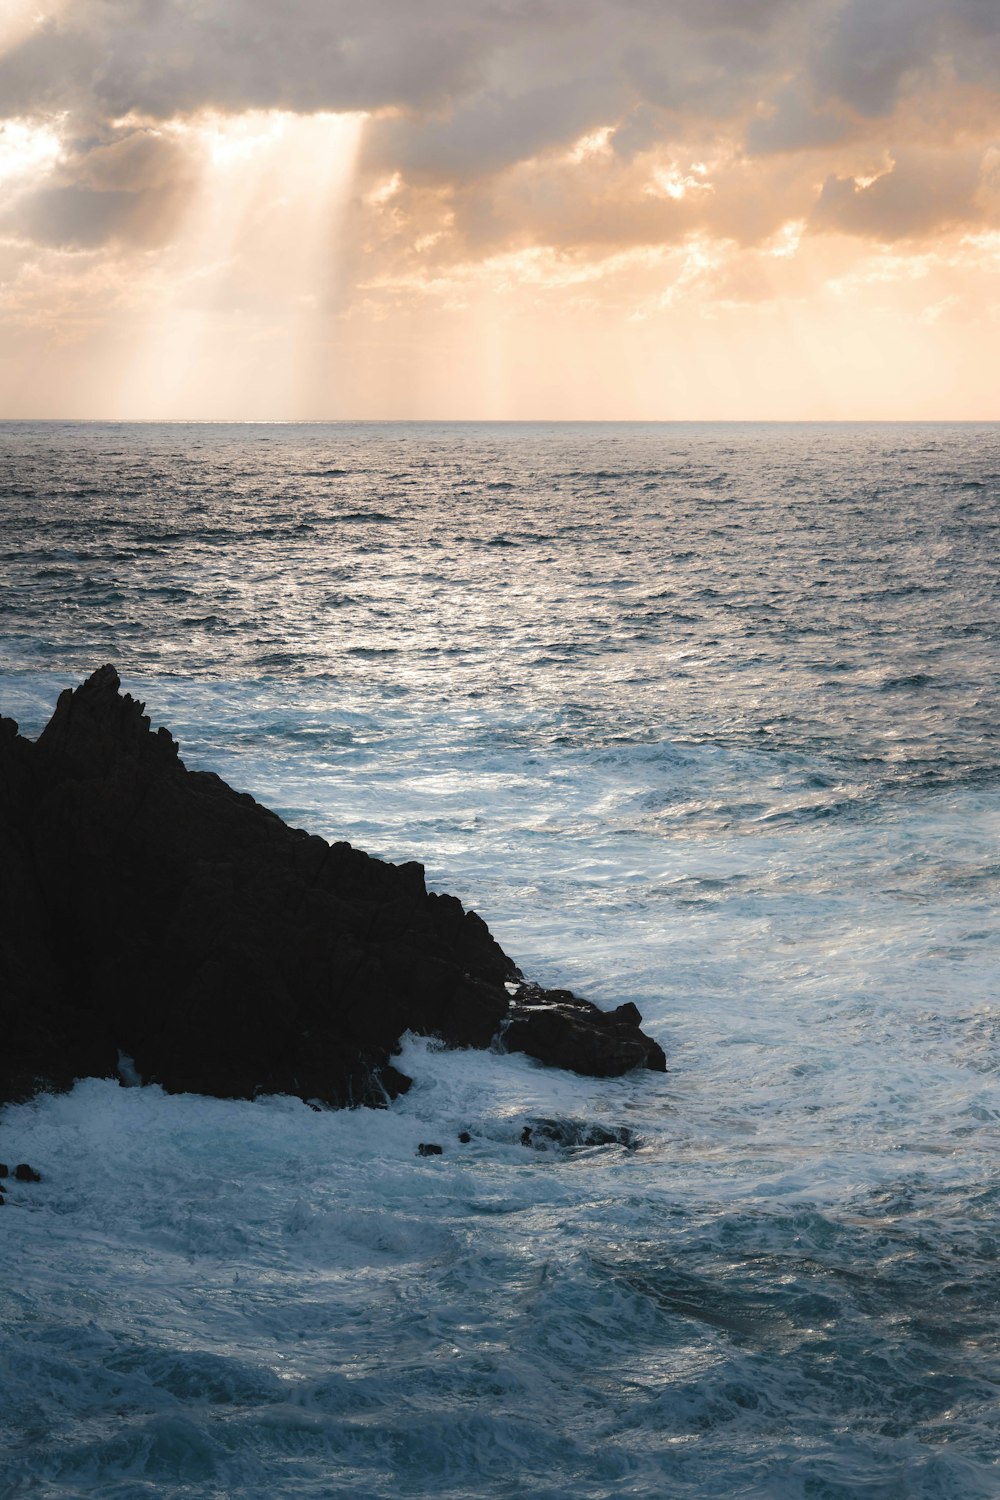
column 152, row 912
column 542, row 1133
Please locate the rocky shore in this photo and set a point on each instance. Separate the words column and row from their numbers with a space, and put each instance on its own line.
column 153, row 919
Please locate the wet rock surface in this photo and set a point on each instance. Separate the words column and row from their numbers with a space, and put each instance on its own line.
column 23, row 1172
column 153, row 912
column 557, row 1027
column 572, row 1134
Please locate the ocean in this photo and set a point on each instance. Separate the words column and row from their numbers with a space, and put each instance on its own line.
column 702, row 717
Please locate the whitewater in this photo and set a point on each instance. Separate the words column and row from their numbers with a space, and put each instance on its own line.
column 699, row 717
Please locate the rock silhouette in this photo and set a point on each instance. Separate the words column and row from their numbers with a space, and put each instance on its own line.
column 153, row 912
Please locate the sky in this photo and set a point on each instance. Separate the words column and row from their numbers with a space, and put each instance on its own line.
column 500, row 209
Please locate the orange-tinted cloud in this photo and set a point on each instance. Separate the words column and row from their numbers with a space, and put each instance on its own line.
column 480, row 98
column 604, row 160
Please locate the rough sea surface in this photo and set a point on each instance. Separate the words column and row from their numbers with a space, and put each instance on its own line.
column 703, row 717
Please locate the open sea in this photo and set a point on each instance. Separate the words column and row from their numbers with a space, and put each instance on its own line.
column 703, row 717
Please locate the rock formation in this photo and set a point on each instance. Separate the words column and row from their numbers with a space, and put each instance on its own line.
column 152, row 912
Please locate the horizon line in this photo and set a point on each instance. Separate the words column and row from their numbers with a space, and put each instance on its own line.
column 502, row 421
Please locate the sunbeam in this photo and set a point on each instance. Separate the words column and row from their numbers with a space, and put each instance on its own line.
column 240, row 290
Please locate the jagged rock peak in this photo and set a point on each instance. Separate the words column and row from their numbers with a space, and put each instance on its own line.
column 153, row 912
column 96, row 726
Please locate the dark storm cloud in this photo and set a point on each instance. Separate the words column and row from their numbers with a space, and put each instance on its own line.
column 466, row 91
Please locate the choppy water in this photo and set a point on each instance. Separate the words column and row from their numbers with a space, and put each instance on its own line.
column 700, row 717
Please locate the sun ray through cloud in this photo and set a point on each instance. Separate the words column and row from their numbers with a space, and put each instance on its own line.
column 239, row 291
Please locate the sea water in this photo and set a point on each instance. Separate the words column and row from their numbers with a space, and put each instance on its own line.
column 701, row 717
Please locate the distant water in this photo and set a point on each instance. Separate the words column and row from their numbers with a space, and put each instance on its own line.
column 703, row 717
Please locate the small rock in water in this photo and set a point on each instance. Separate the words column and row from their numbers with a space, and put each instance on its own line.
column 4, row 1169
column 566, row 1031
column 429, row 1148
column 24, row 1173
column 576, row 1133
column 464, row 1137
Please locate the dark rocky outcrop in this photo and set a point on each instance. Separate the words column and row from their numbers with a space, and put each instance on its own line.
column 559, row 1028
column 576, row 1134
column 153, row 912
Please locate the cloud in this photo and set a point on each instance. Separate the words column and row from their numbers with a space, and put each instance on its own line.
column 793, row 121
column 126, row 185
column 494, row 131
column 479, row 106
column 922, row 193
column 161, row 58
column 868, row 53
column 164, row 57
